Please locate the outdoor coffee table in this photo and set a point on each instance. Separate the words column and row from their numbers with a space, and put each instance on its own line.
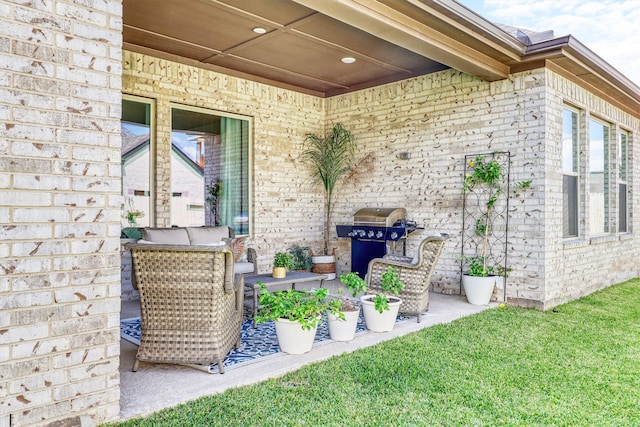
column 293, row 278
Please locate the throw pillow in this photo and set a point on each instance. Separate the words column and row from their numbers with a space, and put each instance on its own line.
column 238, row 247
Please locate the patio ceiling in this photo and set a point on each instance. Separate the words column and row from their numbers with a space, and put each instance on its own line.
column 305, row 40
column 391, row 40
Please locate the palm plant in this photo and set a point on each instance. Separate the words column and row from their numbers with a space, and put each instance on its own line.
column 332, row 158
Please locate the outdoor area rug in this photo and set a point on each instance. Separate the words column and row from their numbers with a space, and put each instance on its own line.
column 255, row 343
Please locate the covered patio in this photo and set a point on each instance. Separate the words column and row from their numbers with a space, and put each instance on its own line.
column 157, row 386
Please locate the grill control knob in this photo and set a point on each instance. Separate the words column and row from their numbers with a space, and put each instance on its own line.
column 394, row 235
column 351, row 234
column 361, row 233
column 379, row 234
column 370, row 234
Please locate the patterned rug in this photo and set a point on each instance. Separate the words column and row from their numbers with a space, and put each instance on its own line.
column 255, row 343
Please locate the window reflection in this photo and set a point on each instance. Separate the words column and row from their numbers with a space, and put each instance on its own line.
column 135, row 162
column 209, row 170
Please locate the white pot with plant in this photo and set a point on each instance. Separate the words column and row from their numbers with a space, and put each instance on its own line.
column 281, row 263
column 296, row 315
column 381, row 310
column 332, row 158
column 343, row 312
column 488, row 183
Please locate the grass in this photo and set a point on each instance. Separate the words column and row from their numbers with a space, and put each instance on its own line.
column 576, row 365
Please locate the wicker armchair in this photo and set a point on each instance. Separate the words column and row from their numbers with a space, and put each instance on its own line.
column 191, row 306
column 415, row 274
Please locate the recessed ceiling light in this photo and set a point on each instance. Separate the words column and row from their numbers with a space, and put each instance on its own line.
column 348, row 60
column 259, row 30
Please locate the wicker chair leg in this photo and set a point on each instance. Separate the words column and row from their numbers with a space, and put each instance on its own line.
column 135, row 365
column 221, row 367
column 419, row 317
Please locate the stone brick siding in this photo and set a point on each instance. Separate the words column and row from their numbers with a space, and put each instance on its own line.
column 286, row 208
column 60, row 91
column 441, row 117
column 438, row 118
column 62, row 78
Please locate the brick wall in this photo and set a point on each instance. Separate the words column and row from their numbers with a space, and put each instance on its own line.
column 286, row 209
column 438, row 118
column 60, row 91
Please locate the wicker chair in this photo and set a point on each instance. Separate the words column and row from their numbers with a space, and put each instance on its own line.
column 415, row 274
column 191, row 306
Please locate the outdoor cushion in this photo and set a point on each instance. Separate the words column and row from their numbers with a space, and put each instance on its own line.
column 206, row 235
column 166, row 236
column 243, row 267
column 238, row 247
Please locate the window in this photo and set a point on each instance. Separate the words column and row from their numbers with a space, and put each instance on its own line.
column 599, row 185
column 570, row 187
column 210, row 168
column 623, row 140
column 136, row 125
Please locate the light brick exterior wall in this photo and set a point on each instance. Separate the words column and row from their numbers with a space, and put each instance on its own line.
column 577, row 267
column 438, row 118
column 61, row 86
column 286, row 208
column 60, row 92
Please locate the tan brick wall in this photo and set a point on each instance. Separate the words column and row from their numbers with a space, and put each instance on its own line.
column 441, row 117
column 577, row 267
column 286, row 208
column 438, row 118
column 60, row 91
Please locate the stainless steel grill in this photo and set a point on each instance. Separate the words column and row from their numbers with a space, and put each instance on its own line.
column 371, row 232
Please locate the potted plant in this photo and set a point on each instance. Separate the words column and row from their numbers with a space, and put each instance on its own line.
column 343, row 312
column 301, row 257
column 480, row 278
column 332, row 157
column 380, row 310
column 281, row 263
column 296, row 315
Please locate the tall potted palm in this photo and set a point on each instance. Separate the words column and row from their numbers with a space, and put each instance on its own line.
column 332, row 158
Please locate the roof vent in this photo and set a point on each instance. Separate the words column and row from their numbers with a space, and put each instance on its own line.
column 531, row 37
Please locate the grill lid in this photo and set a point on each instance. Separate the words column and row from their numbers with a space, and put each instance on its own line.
column 379, row 217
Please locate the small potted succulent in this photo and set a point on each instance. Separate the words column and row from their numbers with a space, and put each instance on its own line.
column 343, row 312
column 296, row 315
column 281, row 263
column 380, row 310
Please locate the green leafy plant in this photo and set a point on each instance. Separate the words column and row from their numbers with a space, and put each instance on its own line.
column 304, row 307
column 301, row 257
column 283, row 259
column 390, row 284
column 214, row 192
column 332, row 157
column 490, row 174
column 355, row 285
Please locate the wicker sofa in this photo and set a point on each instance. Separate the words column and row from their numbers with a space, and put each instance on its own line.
column 246, row 260
column 191, row 304
column 415, row 273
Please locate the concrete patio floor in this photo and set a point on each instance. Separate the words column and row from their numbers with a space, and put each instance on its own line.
column 157, row 386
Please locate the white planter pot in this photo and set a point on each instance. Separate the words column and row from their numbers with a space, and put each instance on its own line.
column 376, row 321
column 343, row 330
column 292, row 338
column 478, row 289
column 324, row 264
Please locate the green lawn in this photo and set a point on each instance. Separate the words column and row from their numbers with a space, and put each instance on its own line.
column 578, row 365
